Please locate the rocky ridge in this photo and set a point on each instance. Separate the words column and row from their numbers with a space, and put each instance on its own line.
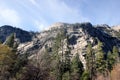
column 80, row 34
column 22, row 35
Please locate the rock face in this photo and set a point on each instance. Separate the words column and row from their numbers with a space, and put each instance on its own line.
column 80, row 34
column 117, row 28
column 22, row 35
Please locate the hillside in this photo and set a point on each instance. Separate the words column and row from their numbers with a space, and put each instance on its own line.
column 80, row 34
column 75, row 40
column 22, row 35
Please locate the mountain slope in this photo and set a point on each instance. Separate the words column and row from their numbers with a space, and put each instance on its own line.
column 81, row 50
column 83, row 31
column 22, row 35
column 80, row 34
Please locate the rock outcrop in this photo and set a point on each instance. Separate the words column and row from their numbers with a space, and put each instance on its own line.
column 117, row 28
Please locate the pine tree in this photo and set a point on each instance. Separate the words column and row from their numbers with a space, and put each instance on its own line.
column 66, row 65
column 10, row 40
column 116, row 54
column 90, row 60
column 57, row 57
column 85, row 76
column 110, row 60
column 66, row 56
column 7, row 59
column 101, row 64
column 76, row 68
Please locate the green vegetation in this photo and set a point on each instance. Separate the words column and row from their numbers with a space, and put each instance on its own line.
column 90, row 59
column 10, row 62
column 97, row 64
column 7, row 59
column 10, row 40
column 76, row 68
column 101, row 64
column 110, row 60
column 85, row 76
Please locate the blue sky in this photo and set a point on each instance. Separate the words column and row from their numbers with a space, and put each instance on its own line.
column 37, row 15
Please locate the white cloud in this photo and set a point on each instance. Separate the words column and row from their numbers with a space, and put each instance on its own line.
column 9, row 16
column 54, row 11
column 39, row 25
column 46, row 12
column 58, row 10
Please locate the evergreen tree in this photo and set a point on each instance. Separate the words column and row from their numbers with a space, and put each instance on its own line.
column 76, row 68
column 7, row 59
column 90, row 60
column 85, row 75
column 116, row 54
column 66, row 56
column 101, row 64
column 67, row 59
column 110, row 60
column 57, row 57
column 10, row 59
column 10, row 40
